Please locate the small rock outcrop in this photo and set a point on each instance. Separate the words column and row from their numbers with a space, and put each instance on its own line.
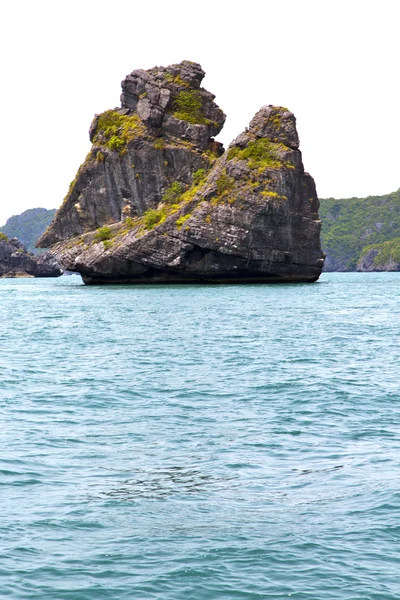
column 15, row 261
column 28, row 226
column 380, row 257
column 158, row 200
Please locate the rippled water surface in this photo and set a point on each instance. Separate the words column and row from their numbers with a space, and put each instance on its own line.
column 200, row 442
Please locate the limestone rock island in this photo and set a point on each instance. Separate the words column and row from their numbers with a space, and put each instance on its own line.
column 158, row 200
column 17, row 262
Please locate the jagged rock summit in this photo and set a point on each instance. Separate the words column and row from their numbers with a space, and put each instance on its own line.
column 16, row 262
column 158, row 200
column 172, row 98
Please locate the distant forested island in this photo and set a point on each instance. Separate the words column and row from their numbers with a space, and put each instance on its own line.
column 361, row 233
column 357, row 233
column 28, row 226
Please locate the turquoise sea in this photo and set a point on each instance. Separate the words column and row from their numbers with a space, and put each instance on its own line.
column 200, row 442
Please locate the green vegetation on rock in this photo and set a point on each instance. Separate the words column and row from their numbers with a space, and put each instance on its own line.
column 225, row 185
column 351, row 225
column 260, row 154
column 182, row 220
column 271, row 194
column 28, row 226
column 114, row 130
column 159, row 144
column 173, row 199
column 177, row 79
column 199, row 176
column 188, row 106
column 3, row 237
column 103, row 234
column 387, row 252
column 129, row 222
column 153, row 217
column 173, row 192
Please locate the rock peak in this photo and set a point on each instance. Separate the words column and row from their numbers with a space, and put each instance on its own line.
column 171, row 98
column 188, row 71
column 162, row 133
column 277, row 124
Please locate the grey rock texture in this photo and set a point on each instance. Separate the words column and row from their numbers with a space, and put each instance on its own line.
column 15, row 261
column 162, row 134
column 161, row 96
column 336, row 264
column 160, row 203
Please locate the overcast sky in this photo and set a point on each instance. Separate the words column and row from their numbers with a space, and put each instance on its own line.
column 334, row 63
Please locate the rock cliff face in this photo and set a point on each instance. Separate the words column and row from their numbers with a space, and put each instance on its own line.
column 15, row 261
column 157, row 199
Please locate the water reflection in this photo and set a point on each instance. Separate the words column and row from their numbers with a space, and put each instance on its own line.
column 165, row 482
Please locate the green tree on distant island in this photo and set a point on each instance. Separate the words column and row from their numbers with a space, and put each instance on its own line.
column 29, row 226
column 351, row 225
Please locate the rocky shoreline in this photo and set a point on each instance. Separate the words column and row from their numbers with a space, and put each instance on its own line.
column 16, row 262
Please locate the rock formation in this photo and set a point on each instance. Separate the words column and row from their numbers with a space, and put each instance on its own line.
column 157, row 199
column 15, row 261
column 28, row 226
column 380, row 257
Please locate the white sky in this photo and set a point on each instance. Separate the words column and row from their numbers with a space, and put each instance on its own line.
column 334, row 63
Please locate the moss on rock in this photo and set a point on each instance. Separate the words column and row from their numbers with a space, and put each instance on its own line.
column 259, row 153
column 173, row 192
column 153, row 217
column 103, row 234
column 188, row 106
column 114, row 130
